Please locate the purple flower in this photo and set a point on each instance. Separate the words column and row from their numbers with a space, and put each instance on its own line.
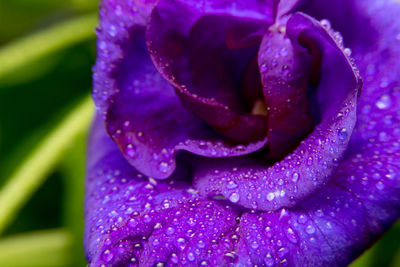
column 243, row 132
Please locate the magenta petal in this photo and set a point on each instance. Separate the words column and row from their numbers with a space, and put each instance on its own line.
column 142, row 112
column 204, row 54
column 310, row 167
column 129, row 215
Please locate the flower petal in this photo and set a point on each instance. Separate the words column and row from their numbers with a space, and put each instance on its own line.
column 129, row 216
column 362, row 200
column 204, row 54
column 336, row 225
column 309, row 168
column 142, row 112
column 285, row 74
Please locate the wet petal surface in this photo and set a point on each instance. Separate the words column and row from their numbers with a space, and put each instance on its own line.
column 204, row 53
column 312, row 163
column 142, row 112
column 133, row 219
column 345, row 195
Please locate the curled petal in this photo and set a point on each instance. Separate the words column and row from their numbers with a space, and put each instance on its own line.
column 142, row 112
column 311, row 165
column 204, row 53
column 285, row 74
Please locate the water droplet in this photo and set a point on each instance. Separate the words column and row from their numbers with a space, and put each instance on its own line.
column 310, row 229
column 190, row 256
column 130, row 150
column 347, row 51
column 174, row 258
column 270, row 196
column 325, row 23
column 269, row 261
column 132, row 223
column 380, row 185
column 342, row 133
column 231, row 185
column 295, row 177
column 282, row 252
column 140, row 136
column 112, row 31
column 284, row 52
column 170, row 231
column 234, row 197
column 163, row 167
column 290, row 234
column 146, row 218
column 302, row 219
column 384, row 102
column 254, row 245
column 108, row 256
column 201, row 244
column 181, row 243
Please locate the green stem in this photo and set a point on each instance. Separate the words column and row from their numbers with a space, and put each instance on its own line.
column 28, row 49
column 42, row 248
column 32, row 172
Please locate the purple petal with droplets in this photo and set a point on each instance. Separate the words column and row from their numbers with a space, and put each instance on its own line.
column 204, row 54
column 285, row 74
column 362, row 200
column 310, row 166
column 331, row 228
column 143, row 114
column 129, row 215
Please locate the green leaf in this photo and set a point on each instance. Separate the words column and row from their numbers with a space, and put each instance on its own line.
column 29, row 49
column 73, row 170
column 43, row 248
column 33, row 171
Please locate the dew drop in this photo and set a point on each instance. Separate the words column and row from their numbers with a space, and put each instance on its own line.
column 384, row 102
column 170, row 231
column 231, row 185
column 269, row 261
column 181, row 243
column 254, row 245
column 282, row 252
column 156, row 242
column 302, row 219
column 190, row 256
column 295, row 177
column 380, row 185
column 290, row 234
column 270, row 196
column 234, row 197
column 310, row 229
column 342, row 133
column 325, row 23
column 163, row 167
column 347, row 51
column 112, row 31
column 132, row 223
column 130, row 150
column 174, row 258
column 108, row 256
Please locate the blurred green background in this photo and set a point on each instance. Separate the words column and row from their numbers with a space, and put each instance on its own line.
column 47, row 49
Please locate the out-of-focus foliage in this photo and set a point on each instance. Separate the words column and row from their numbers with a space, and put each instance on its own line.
column 34, row 99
